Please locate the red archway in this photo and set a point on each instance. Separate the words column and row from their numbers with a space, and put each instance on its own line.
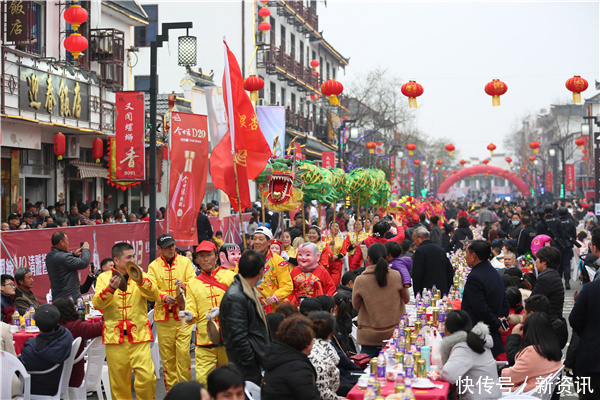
column 480, row 170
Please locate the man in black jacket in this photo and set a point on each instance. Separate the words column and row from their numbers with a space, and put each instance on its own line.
column 526, row 235
column 203, row 226
column 63, row 266
column 484, row 298
column 570, row 237
column 548, row 282
column 243, row 322
column 431, row 266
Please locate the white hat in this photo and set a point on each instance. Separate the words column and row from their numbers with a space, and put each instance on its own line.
column 265, row 231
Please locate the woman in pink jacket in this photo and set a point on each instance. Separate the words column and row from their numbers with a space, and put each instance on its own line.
column 540, row 355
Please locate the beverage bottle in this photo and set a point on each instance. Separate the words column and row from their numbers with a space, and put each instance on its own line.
column 182, row 209
column 396, row 333
column 399, row 379
column 418, row 297
column 32, row 314
column 81, row 308
column 96, row 255
column 419, row 342
column 391, row 349
column 408, row 394
column 16, row 319
column 409, row 371
column 390, row 369
column 370, row 393
column 27, row 319
column 381, row 363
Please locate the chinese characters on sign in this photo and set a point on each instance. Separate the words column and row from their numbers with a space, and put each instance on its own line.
column 17, row 23
column 53, row 94
column 570, row 177
column 328, row 159
column 189, row 171
column 549, row 182
column 130, row 151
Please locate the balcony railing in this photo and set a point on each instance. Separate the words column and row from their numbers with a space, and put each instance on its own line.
column 304, row 17
column 276, row 61
column 107, row 45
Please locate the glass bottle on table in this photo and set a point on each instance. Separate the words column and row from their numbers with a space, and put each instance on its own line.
column 370, row 393
column 408, row 393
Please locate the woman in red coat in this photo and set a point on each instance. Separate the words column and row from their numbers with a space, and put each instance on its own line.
column 85, row 330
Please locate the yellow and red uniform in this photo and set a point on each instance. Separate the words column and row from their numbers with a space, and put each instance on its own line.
column 335, row 264
column 354, row 238
column 326, row 252
column 277, row 280
column 203, row 293
column 127, row 334
column 173, row 342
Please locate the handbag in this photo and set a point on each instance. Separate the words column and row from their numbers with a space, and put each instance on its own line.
column 361, row 360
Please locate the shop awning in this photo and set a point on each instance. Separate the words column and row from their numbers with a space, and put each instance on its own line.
column 90, row 170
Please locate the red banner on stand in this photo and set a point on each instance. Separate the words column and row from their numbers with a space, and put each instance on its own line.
column 187, row 179
column 328, row 159
column 570, row 176
column 130, row 146
column 298, row 151
column 549, row 183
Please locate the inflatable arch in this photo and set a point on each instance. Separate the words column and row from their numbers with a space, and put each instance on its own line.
column 480, row 170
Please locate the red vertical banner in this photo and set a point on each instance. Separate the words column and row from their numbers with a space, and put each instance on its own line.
column 130, row 153
column 570, row 176
column 187, row 178
column 549, row 182
column 328, row 159
column 298, row 151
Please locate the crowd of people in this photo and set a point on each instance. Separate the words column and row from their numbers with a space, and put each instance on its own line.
column 281, row 312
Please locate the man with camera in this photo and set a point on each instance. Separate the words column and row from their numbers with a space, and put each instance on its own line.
column 63, row 266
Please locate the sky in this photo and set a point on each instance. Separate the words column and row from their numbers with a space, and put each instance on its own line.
column 454, row 48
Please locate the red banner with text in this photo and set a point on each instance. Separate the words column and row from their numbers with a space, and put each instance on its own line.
column 130, row 127
column 549, row 182
column 328, row 159
column 570, row 176
column 189, row 171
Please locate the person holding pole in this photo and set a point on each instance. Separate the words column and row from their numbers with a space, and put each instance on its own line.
column 171, row 273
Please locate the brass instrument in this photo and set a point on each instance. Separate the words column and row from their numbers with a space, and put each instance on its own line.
column 134, row 272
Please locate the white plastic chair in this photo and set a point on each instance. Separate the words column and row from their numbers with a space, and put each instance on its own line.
column 252, row 390
column 96, row 353
column 65, row 375
column 9, row 364
column 154, row 352
column 542, row 391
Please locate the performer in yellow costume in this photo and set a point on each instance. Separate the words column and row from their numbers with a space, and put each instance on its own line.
column 287, row 244
column 277, row 284
column 127, row 333
column 169, row 273
column 314, row 236
column 353, row 239
column 203, row 298
column 337, row 244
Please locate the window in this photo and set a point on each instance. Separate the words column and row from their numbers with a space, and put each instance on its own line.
column 142, row 83
column 261, row 92
column 146, row 34
column 272, row 32
column 293, row 46
column 31, row 18
column 327, row 69
column 273, row 93
column 282, row 99
column 293, row 102
column 282, row 38
column 301, row 58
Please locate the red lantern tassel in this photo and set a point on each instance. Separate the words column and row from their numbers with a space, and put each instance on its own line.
column 410, row 152
column 576, row 98
column 333, row 100
column 254, row 95
column 495, row 100
column 535, row 151
column 412, row 102
column 59, row 158
column 450, row 153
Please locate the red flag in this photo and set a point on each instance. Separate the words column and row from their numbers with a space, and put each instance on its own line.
column 252, row 151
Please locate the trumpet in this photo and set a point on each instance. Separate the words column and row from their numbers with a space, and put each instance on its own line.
column 134, row 272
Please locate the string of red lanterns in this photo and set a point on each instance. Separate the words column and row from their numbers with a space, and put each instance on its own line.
column 75, row 43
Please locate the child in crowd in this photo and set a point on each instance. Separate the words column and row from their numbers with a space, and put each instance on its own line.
column 515, row 314
column 398, row 263
column 219, row 238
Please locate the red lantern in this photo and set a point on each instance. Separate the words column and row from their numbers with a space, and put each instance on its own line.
column 411, row 147
column 314, row 97
column 576, row 85
column 75, row 44
column 264, row 12
column 412, row 90
column 59, row 145
column 332, row 89
column 265, row 2
column 585, row 151
column 486, row 161
column 531, row 159
column 453, row 172
column 450, row 148
column 436, row 170
column 496, row 88
column 314, row 64
column 584, row 158
column 417, row 162
column 580, row 142
column 462, row 162
column 491, row 147
column 509, row 160
column 534, row 146
column 98, row 149
column 379, row 148
column 253, row 84
column 264, row 26
column 439, row 162
column 76, row 15
column 371, row 146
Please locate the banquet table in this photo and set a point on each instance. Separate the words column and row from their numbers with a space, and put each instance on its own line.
column 420, row 394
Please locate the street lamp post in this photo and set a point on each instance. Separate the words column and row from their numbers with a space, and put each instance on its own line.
column 154, row 45
column 595, row 152
column 552, row 152
column 345, row 124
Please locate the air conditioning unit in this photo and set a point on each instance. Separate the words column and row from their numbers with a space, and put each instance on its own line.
column 260, row 102
column 72, row 150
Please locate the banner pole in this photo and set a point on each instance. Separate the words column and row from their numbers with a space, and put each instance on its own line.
column 237, row 189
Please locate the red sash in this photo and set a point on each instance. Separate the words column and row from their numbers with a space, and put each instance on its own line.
column 209, row 280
